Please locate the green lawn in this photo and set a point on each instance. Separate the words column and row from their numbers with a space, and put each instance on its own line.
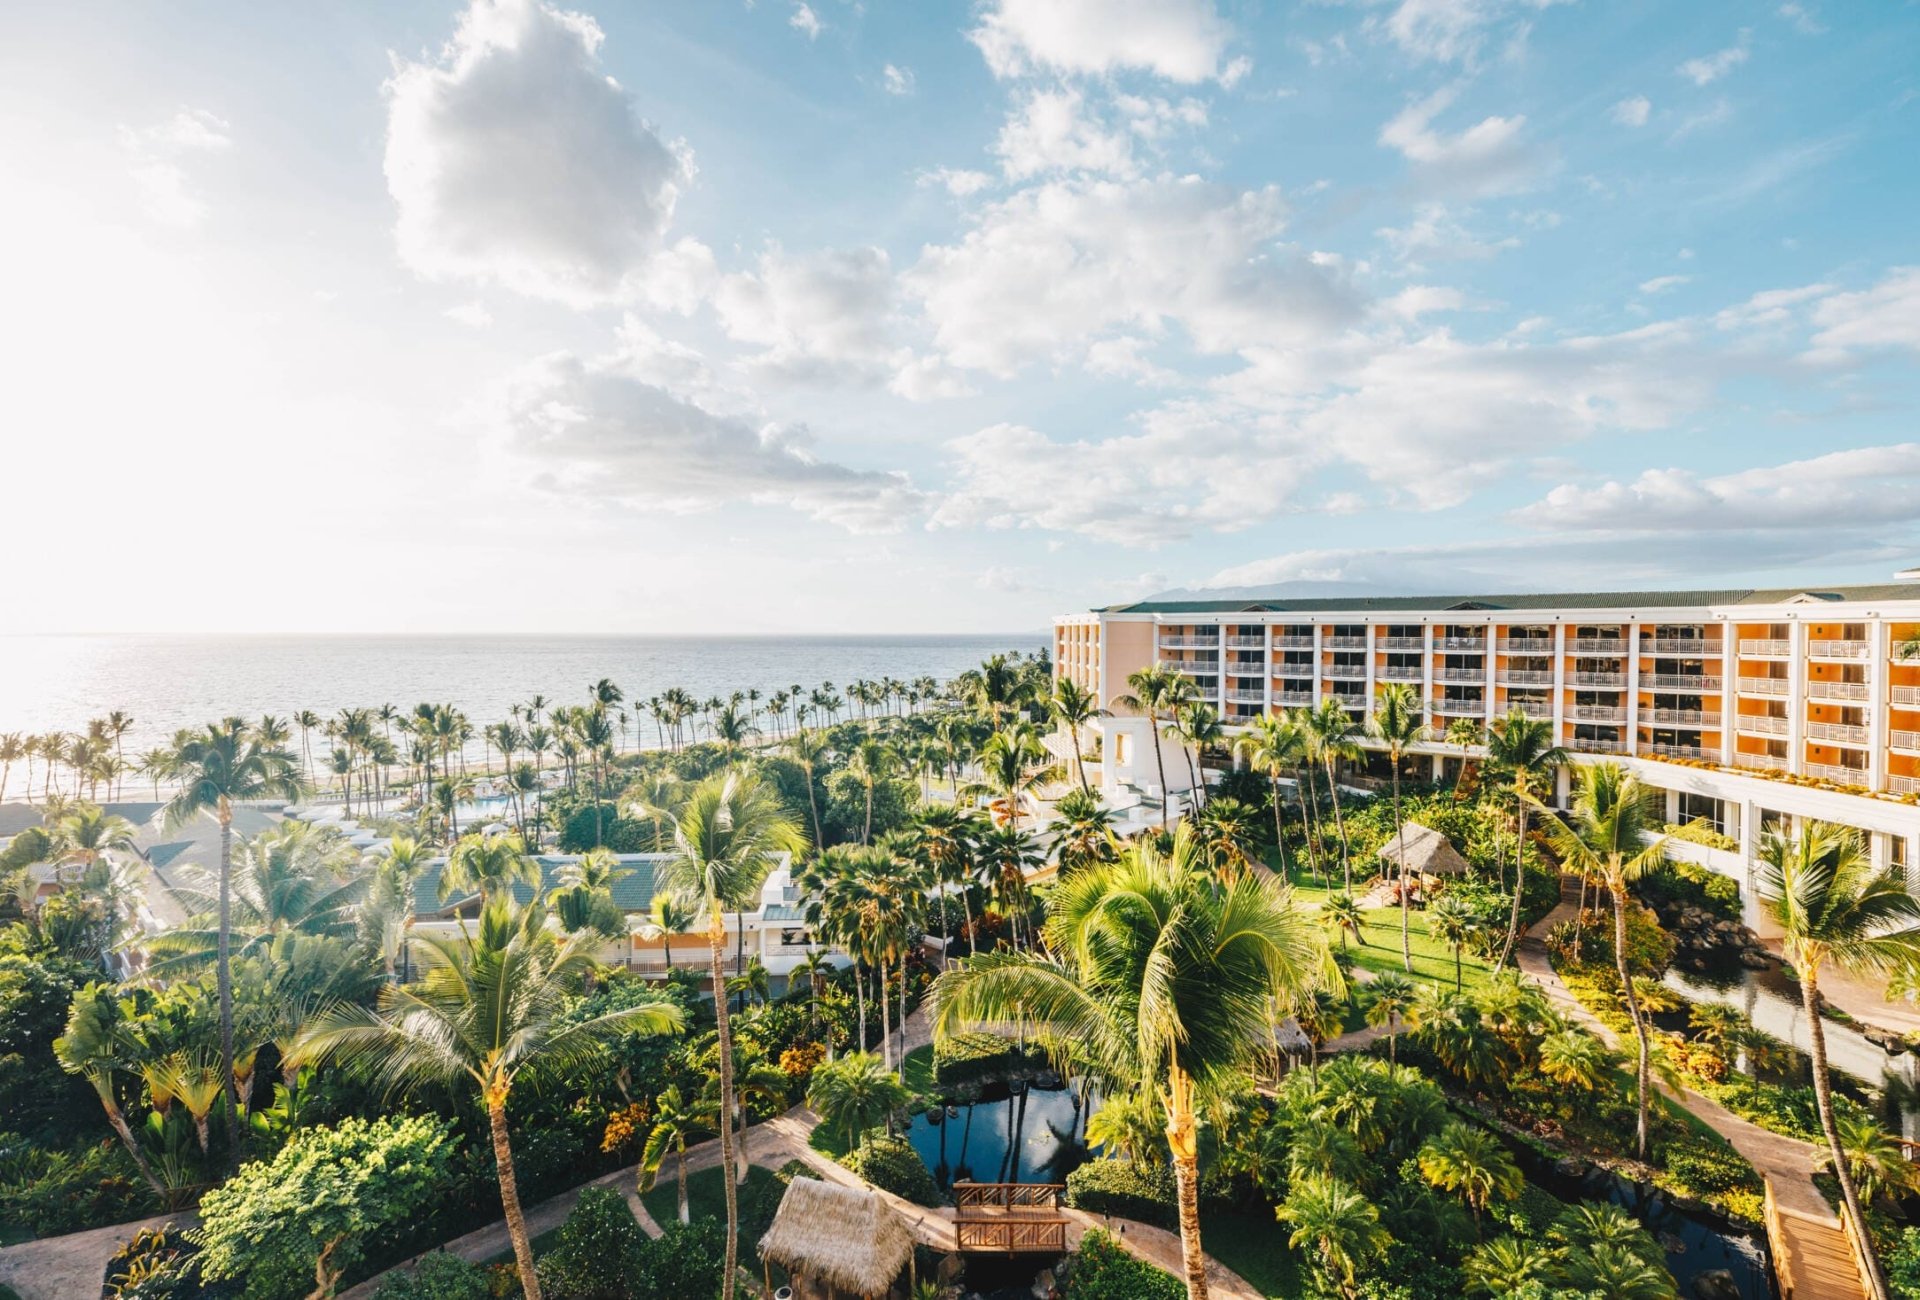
column 707, row 1199
column 1254, row 1244
column 920, row 1070
column 1432, row 960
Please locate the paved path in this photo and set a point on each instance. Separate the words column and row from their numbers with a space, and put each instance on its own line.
column 61, row 1268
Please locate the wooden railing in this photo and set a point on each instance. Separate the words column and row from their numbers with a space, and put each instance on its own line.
column 1012, row 1236
column 1862, row 1248
column 1776, row 1240
column 1009, row 1217
column 1006, row 1196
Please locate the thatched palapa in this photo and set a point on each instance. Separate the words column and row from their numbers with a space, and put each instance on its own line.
column 835, row 1240
column 1429, row 853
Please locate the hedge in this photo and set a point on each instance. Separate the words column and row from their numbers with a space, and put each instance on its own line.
column 1102, row 1270
column 438, row 1276
column 966, row 1061
column 892, row 1165
column 1125, row 1191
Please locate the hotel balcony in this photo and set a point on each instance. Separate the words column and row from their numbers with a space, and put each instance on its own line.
column 1247, row 697
column 1246, row 643
column 1402, row 673
column 1765, row 686
column 1681, row 645
column 1526, row 645
column 1597, row 645
column 1680, row 682
column 1401, row 643
column 1345, row 672
column 1840, row 732
column 1690, row 717
column 1298, row 672
column 1907, row 696
column 1351, row 703
column 1595, row 713
column 1463, row 676
column 1189, row 643
column 1907, row 742
column 1586, row 746
column 1525, row 677
column 1615, row 680
column 1246, row 668
column 1765, row 762
column 1838, row 775
column 1765, row 649
column 1343, row 643
column 1477, row 645
column 1537, row 711
column 1904, row 784
column 1839, row 649
column 1759, row 724
column 1455, row 708
column 1292, row 641
column 1293, row 699
column 1681, row 751
column 1820, row 690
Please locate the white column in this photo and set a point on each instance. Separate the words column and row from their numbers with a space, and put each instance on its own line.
column 1729, row 692
column 1796, row 697
column 1426, row 679
column 1319, row 636
column 1560, row 683
column 1633, row 686
column 1373, row 638
column 1877, row 699
column 1490, row 656
column 1266, row 658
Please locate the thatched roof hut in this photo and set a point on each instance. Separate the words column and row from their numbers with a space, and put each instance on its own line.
column 1430, row 854
column 836, row 1241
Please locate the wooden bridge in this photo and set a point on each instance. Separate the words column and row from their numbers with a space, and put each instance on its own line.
column 1009, row 1218
column 1814, row 1258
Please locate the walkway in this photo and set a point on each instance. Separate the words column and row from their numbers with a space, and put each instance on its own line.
column 59, row 1268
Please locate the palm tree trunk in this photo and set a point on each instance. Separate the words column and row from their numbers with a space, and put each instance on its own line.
column 1406, row 901
column 1339, row 825
column 866, row 831
column 510, row 1197
column 1160, row 763
column 1519, row 886
column 903, row 1015
column 1183, row 1142
column 717, row 941
column 1079, row 763
column 224, row 980
column 860, row 1003
column 686, row 1214
column 880, row 989
column 1310, row 820
column 1642, row 1070
column 1279, row 829
column 1823, row 1096
column 813, row 804
column 119, row 1122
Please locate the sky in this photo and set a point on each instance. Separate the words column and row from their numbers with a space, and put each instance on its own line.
column 909, row 316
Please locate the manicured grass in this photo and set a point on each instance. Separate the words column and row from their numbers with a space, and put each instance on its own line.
column 1254, row 1244
column 706, row 1194
column 543, row 1243
column 920, row 1070
column 829, row 1141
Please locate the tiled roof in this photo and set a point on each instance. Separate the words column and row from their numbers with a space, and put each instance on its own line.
column 632, row 894
column 1524, row 601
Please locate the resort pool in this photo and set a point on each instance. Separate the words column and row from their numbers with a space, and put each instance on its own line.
column 1030, row 1137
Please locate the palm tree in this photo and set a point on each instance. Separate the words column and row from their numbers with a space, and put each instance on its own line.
column 1522, row 749
column 13, row 748
column 1342, row 913
column 870, row 763
column 1875, row 1158
column 1574, row 1058
column 1154, row 690
column 1337, row 1224
column 670, row 916
column 1608, row 840
column 1072, row 706
column 1196, row 725
column 488, row 865
column 1396, row 727
column 676, row 1118
column 96, row 1046
column 1012, row 763
column 726, row 841
column 217, row 767
column 1270, row 746
column 1832, row 906
column 1389, row 996
column 492, row 1005
column 856, row 1094
column 1454, row 924
column 1469, row 1161
column 813, row 968
column 1165, row 977
column 1330, row 732
column 1506, row 1264
column 808, row 748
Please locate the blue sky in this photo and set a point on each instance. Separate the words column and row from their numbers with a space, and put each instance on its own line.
column 920, row 317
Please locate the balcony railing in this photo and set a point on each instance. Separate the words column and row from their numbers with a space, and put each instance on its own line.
column 1246, row 668
column 1189, row 643
column 1246, row 643
column 1907, row 695
column 1587, row 746
column 1680, row 682
column 1247, row 697
column 1293, row 642
column 1293, row 670
column 1345, row 672
column 1460, row 708
column 1344, row 642
column 1765, row 686
column 1597, row 679
column 1353, row 703
column 1690, row 717
column 1476, row 644
column 1291, row 699
column 1464, row 676
column 1681, row 645
column 1765, row 762
column 1526, row 645
column 1209, row 673
column 1765, row 648
column 1596, row 713
column 1820, row 690
column 1838, row 649
column 1402, row 673
column 1845, row 733
column 1758, row 724
column 1525, row 677
column 1597, row 645
column 1681, row 751
column 1904, row 784
column 1837, row 774
column 1401, row 643
column 1907, row 742
column 1533, row 709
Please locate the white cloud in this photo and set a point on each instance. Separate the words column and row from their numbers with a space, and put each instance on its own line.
column 1887, row 315
column 1488, row 157
column 818, row 315
column 1181, row 40
column 805, row 21
column 1417, row 300
column 1854, row 488
column 1770, row 307
column 1047, row 270
column 1632, row 111
column 514, row 159
column 1662, row 283
column 1450, row 31
column 1122, row 358
column 1804, row 20
column 156, row 159
column 594, row 430
column 897, row 80
column 956, row 181
column 474, row 315
column 1432, row 235
column 1709, row 68
column 1052, row 132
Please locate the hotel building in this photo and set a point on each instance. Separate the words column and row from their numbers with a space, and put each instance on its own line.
column 1747, row 708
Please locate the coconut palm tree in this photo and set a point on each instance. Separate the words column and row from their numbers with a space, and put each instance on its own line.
column 1468, row 1161
column 856, row 1094
column 676, row 1118
column 1834, row 908
column 870, row 763
column 492, row 1006
column 1164, row 977
column 1336, row 1224
column 1521, row 749
column 1341, row 913
column 1330, row 732
column 297, row 877
column 1072, row 706
column 13, row 748
column 1272, row 744
column 808, row 749
column 97, row 1045
column 1389, row 997
column 1507, row 1264
column 1454, row 924
column 1197, row 726
column 488, row 865
column 670, row 916
column 1155, row 691
column 1396, row 727
column 217, row 767
column 1574, row 1058
column 1608, row 840
column 1012, row 764
column 726, row 840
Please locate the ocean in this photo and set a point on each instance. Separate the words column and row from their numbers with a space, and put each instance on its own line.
column 50, row 683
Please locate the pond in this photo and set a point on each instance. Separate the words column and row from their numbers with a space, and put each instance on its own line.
column 1032, row 1136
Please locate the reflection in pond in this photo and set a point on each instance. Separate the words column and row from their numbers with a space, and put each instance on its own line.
column 1032, row 1136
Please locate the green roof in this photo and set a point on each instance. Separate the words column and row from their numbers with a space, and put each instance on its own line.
column 631, row 894
column 1524, row 601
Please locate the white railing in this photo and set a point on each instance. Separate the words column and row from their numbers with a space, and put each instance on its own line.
column 1908, row 741
column 1464, row 676
column 1765, row 686
column 1679, row 751
column 1525, row 677
column 1596, row 713
column 1247, row 697
column 1586, row 746
column 1460, row 708
column 1246, row 643
column 1295, row 671
column 1906, row 695
column 1820, row 690
column 1680, row 682
column 1345, row 672
column 1758, row 724
column 1292, row 641
column 1291, row 698
column 1680, row 645
column 1765, row 647
column 1533, row 709
column 1354, row 702
column 1246, row 668
column 1838, row 649
column 1401, row 643
column 1837, row 774
column 1596, row 679
column 1188, row 643
column 1695, row 717
column 1766, row 762
column 1344, row 642
column 1846, row 733
column 1526, row 645
column 1402, row 673
column 1476, row 644
column 1904, row 784
column 1597, row 645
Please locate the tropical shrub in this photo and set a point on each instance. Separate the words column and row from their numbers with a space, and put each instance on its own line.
column 892, row 1165
column 54, row 1192
column 685, row 1260
column 1124, row 1191
column 160, row 1264
column 320, row 1205
column 438, row 1276
column 1102, row 1270
column 1903, row 1266
column 599, row 1250
column 966, row 1061
column 43, row 1100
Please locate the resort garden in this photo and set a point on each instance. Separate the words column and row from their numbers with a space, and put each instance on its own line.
column 1273, row 1027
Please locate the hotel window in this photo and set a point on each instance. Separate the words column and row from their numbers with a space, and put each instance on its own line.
column 1699, row 807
